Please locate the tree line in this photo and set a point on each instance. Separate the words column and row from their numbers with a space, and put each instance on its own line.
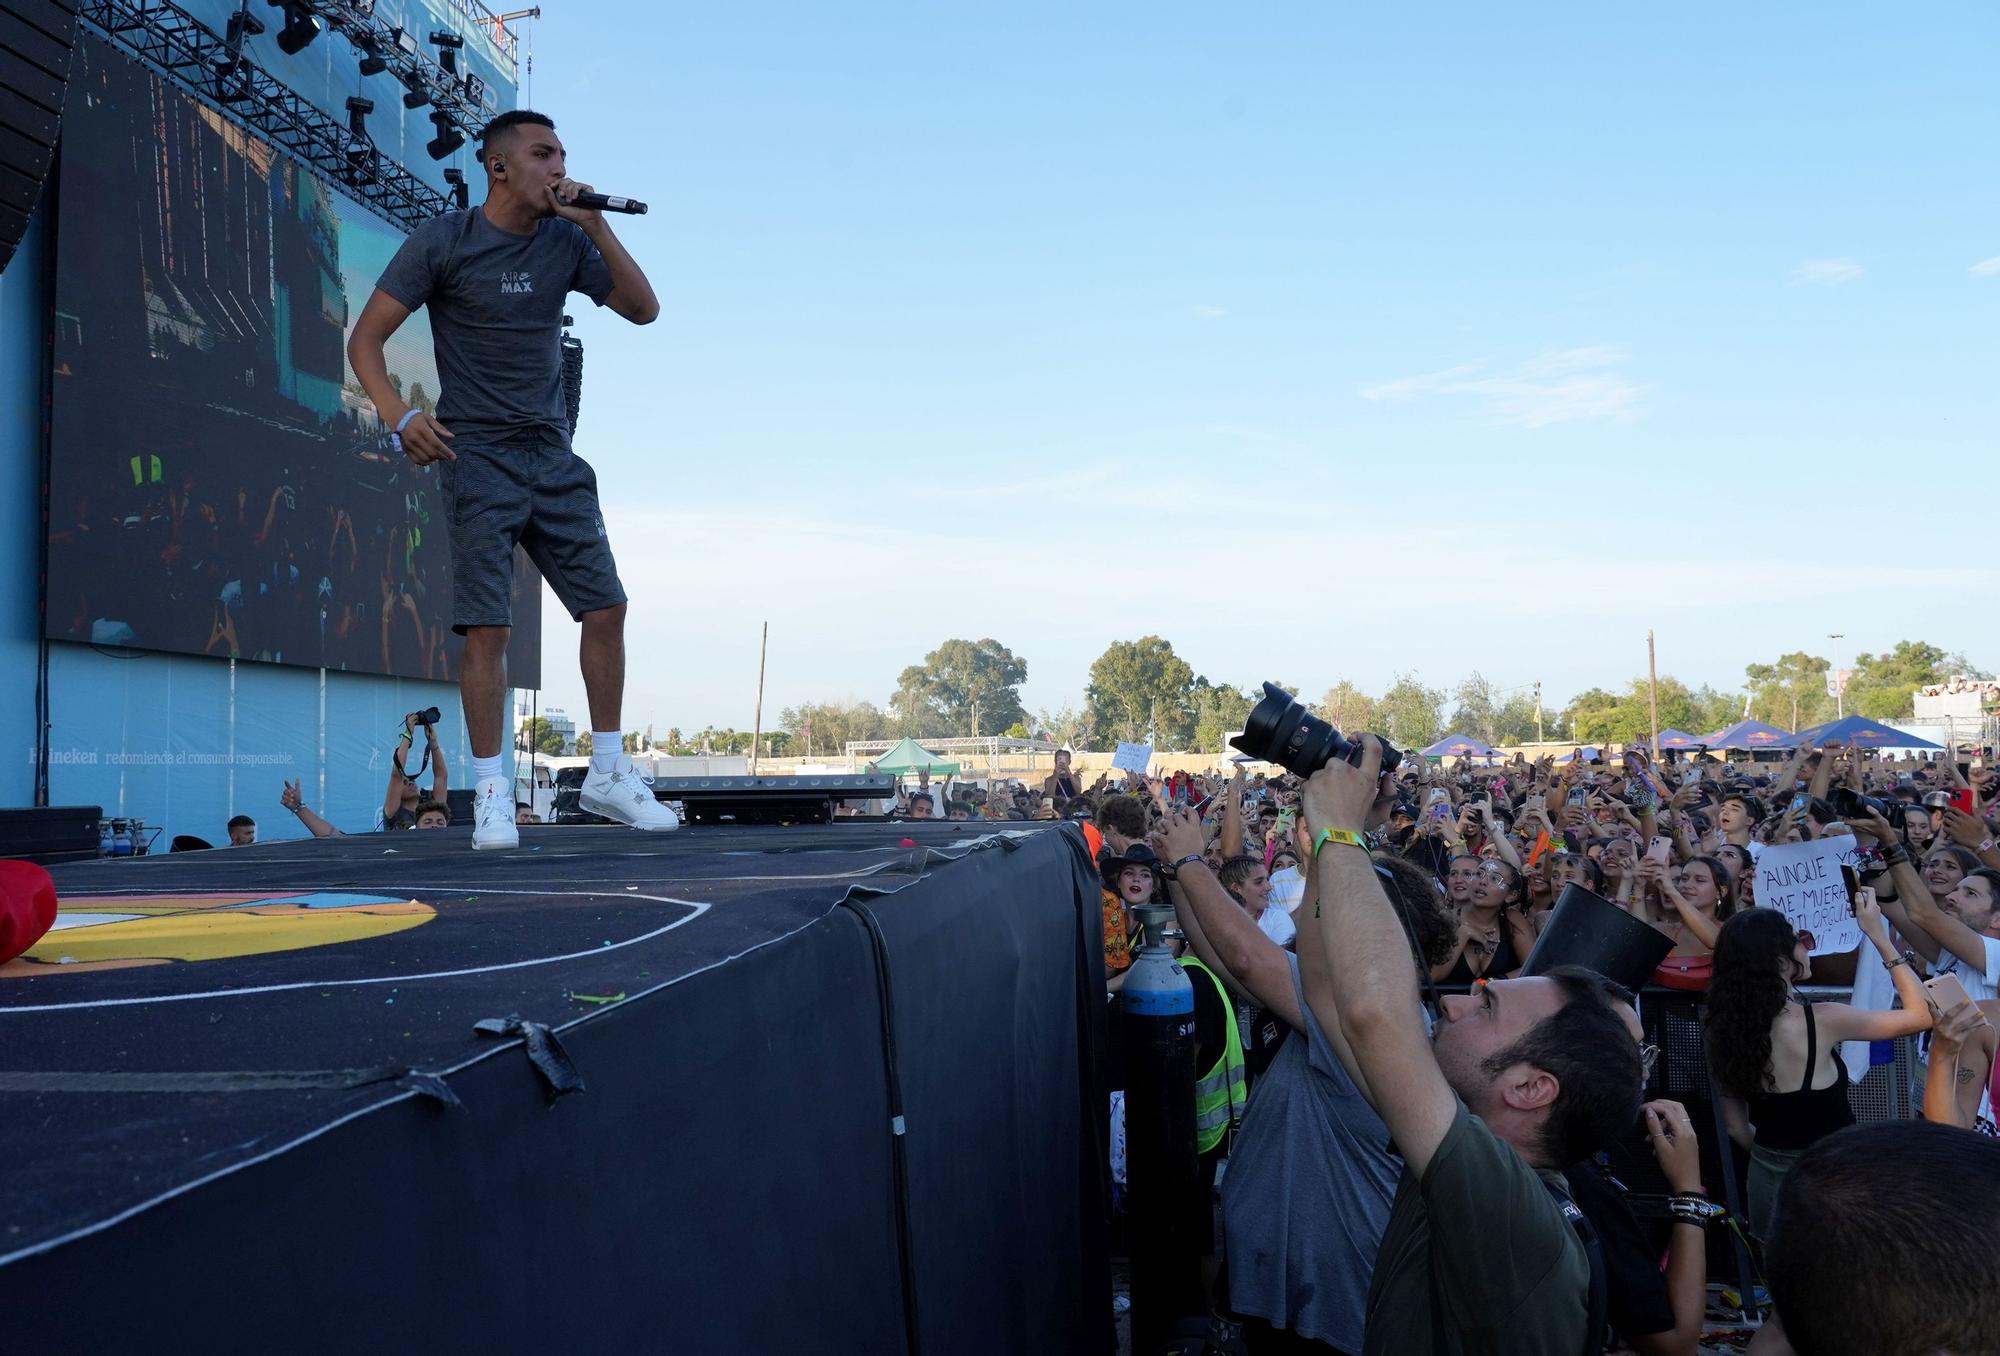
column 1141, row 691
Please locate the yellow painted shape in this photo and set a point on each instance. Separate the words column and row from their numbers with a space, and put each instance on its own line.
column 217, row 934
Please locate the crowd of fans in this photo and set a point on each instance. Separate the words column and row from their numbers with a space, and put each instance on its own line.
column 1405, row 1176
column 1411, row 1137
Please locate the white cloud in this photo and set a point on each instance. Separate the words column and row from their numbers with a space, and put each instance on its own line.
column 1564, row 386
column 1986, row 268
column 1826, row 272
column 1209, row 312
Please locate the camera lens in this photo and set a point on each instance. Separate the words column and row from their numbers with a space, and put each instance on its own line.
column 1280, row 730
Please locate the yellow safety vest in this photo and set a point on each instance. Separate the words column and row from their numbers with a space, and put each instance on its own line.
column 1219, row 1093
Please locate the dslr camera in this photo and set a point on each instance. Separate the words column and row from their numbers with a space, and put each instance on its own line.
column 1846, row 801
column 1281, row 731
column 428, row 716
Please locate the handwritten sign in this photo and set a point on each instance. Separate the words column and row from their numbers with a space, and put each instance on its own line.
column 1132, row 757
column 1803, row 881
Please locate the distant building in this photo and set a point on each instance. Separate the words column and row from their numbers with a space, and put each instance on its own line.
column 558, row 720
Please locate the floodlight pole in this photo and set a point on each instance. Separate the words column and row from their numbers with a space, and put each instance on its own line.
column 757, row 732
column 1653, row 685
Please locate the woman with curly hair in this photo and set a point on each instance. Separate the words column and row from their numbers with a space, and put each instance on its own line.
column 1776, row 1055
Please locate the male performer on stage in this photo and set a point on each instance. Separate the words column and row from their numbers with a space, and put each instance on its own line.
column 496, row 278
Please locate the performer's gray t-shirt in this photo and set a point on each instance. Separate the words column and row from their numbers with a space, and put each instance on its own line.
column 496, row 306
column 1310, row 1184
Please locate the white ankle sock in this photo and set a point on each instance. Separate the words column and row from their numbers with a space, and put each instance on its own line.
column 482, row 768
column 606, row 748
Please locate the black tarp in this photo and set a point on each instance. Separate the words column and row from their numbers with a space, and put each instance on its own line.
column 728, row 1180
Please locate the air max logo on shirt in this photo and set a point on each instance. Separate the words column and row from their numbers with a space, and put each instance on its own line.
column 514, row 283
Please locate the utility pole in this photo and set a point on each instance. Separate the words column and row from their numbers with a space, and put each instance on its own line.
column 1839, row 686
column 1653, row 684
column 1541, row 736
column 757, row 731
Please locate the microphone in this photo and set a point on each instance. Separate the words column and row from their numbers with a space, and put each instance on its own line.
column 605, row 202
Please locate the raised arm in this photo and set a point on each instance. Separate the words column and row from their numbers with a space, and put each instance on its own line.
column 293, row 800
column 1316, row 979
column 1679, row 1153
column 1971, row 834
column 1503, row 846
column 1232, row 815
column 392, row 799
column 1822, row 777
column 441, row 775
column 631, row 295
column 1840, row 1022
column 1372, row 977
column 1222, row 934
column 1705, row 929
column 1947, row 932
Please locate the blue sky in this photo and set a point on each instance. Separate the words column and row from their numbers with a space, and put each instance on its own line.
column 1326, row 341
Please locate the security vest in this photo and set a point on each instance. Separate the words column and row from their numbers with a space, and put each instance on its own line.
column 1219, row 1093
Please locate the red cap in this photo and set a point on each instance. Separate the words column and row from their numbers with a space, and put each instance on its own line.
column 27, row 907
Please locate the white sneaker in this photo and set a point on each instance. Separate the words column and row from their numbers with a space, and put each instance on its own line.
column 627, row 797
column 493, row 816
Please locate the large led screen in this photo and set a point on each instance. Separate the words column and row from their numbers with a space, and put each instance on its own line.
column 219, row 483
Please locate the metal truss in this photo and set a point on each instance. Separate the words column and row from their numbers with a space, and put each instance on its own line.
column 168, row 38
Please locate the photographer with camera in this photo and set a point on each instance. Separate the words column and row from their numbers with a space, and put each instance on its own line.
column 1312, row 1174
column 402, row 801
column 1521, row 1079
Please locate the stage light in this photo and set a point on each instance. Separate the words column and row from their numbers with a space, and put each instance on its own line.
column 461, row 197
column 301, row 26
column 360, row 145
column 242, row 24
column 372, row 62
column 448, row 138
column 474, row 87
column 416, row 92
column 447, row 44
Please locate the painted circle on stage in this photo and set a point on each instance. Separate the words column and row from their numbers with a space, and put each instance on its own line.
column 120, row 932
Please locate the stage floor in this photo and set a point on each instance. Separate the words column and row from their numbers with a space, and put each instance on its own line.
column 195, row 1014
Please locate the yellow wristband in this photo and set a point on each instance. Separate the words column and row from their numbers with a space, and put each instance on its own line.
column 1347, row 836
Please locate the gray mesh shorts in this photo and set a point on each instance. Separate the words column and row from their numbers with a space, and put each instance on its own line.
column 545, row 500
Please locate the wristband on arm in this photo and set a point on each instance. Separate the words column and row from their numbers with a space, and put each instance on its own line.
column 396, row 435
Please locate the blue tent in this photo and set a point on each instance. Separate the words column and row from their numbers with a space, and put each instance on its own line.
column 1859, row 732
column 1749, row 734
column 1459, row 746
column 1679, row 739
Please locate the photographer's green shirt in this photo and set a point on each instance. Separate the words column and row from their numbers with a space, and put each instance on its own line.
column 1477, row 1258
